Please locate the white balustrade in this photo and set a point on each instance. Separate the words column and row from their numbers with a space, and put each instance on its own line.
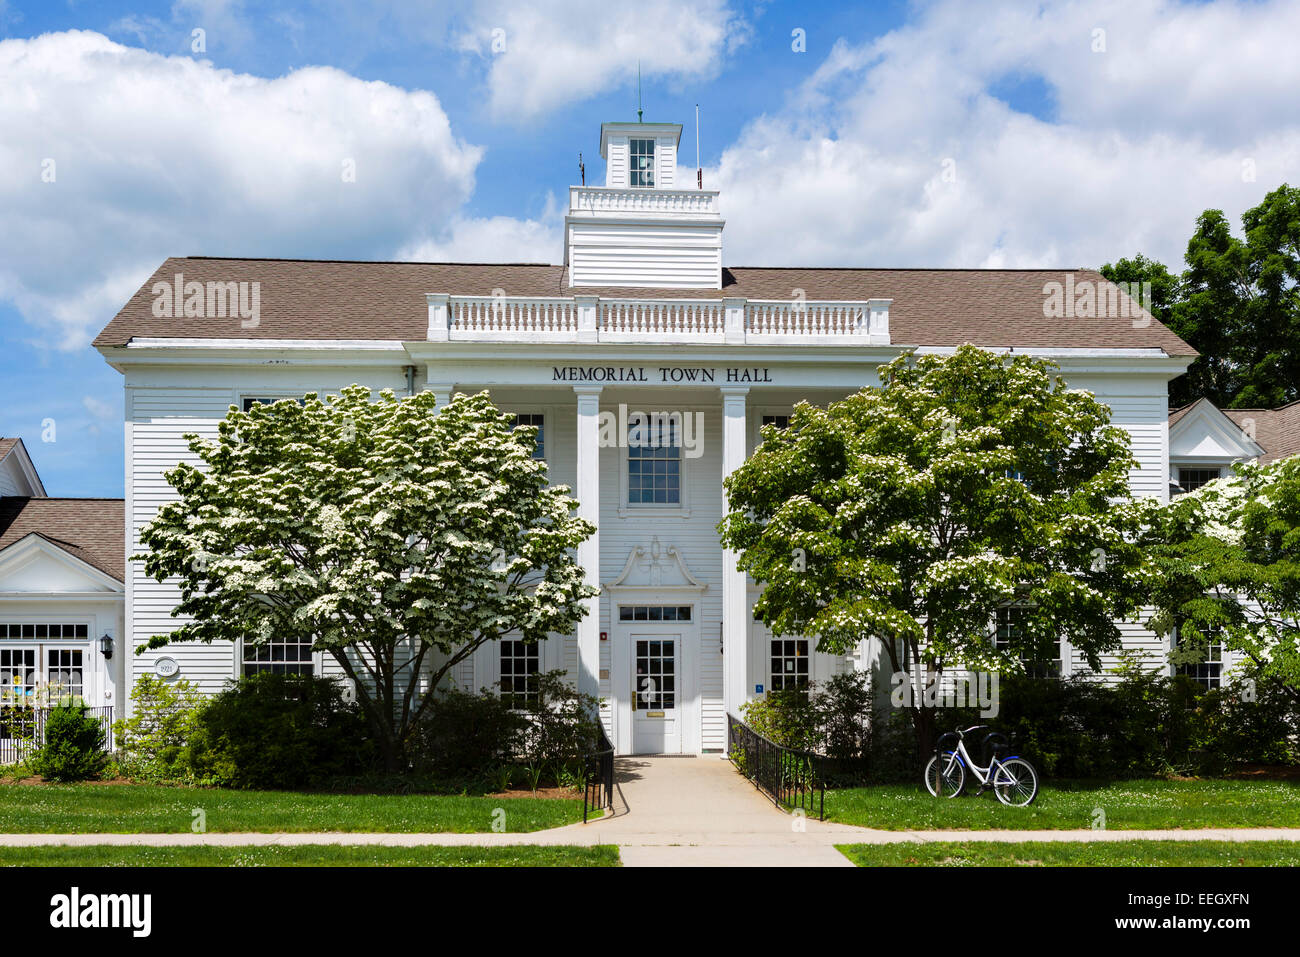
column 807, row 318
column 503, row 317
column 699, row 319
column 590, row 319
column 606, row 199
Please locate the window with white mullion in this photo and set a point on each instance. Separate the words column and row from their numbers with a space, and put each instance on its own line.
column 521, row 662
column 1207, row 671
column 1010, row 628
column 287, row 657
column 538, row 421
column 641, row 166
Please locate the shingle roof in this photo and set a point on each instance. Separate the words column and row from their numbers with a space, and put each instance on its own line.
column 92, row 529
column 1276, row 430
column 318, row 299
column 5, row 446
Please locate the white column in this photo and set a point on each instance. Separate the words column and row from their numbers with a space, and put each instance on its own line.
column 587, row 491
column 441, row 393
column 735, row 616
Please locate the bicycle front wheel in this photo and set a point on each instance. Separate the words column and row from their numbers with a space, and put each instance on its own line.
column 1015, row 782
column 945, row 775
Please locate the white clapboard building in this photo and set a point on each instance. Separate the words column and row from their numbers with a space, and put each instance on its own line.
column 643, row 315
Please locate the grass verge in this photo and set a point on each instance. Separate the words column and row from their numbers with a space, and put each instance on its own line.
column 1125, row 805
column 1077, row 854
column 148, row 808
column 309, row 855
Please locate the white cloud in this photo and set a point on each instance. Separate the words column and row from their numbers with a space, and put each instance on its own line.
column 494, row 239
column 544, row 54
column 98, row 407
column 153, row 156
column 1138, row 140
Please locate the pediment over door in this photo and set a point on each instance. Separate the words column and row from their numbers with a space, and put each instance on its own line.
column 659, row 567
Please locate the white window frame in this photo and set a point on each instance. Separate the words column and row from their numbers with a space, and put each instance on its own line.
column 1181, row 467
column 91, row 660
column 268, row 397
column 678, row 509
column 651, row 170
column 536, row 648
column 1222, row 662
column 1062, row 650
column 756, row 423
column 545, row 427
column 317, row 661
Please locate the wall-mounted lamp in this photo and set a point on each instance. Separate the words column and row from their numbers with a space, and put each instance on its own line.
column 106, row 646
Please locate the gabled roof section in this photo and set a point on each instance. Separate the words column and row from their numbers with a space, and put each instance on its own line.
column 92, row 530
column 1276, row 430
column 1202, row 433
column 15, row 460
column 339, row 300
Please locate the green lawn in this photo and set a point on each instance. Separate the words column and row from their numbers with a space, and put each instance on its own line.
column 1127, row 805
column 1077, row 854
column 146, row 808
column 309, row 855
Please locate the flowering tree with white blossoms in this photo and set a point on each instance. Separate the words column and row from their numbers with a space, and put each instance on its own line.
column 909, row 514
column 393, row 536
column 1228, row 566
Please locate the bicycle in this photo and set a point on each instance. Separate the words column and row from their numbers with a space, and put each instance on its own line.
column 1012, row 779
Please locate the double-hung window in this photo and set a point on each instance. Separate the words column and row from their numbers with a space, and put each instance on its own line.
column 537, row 421
column 521, row 661
column 1010, row 628
column 1189, row 480
column 1208, row 670
column 641, row 163
column 790, row 668
column 654, row 461
column 287, row 657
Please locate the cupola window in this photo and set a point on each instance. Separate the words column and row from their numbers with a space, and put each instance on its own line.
column 642, row 172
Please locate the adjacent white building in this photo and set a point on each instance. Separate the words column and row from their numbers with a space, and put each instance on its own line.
column 642, row 315
column 62, row 587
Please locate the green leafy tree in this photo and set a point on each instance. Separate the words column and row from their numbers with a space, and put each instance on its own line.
column 1237, row 303
column 910, row 513
column 393, row 536
column 1227, row 558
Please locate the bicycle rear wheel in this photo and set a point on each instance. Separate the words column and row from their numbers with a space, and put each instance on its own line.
column 945, row 775
column 1015, row 782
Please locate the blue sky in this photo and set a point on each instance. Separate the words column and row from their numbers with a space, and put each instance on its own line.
column 1078, row 133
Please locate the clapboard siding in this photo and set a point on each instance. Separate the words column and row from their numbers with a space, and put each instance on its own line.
column 673, row 256
column 158, row 419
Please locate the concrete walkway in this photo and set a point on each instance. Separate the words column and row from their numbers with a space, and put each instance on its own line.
column 678, row 812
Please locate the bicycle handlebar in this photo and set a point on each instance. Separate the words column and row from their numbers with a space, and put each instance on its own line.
column 975, row 727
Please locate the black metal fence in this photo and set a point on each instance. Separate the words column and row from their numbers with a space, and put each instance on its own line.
column 598, row 775
column 22, row 730
column 791, row 778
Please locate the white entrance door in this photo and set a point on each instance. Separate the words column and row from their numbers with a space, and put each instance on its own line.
column 656, row 704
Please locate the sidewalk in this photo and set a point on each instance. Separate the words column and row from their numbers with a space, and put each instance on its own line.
column 679, row 812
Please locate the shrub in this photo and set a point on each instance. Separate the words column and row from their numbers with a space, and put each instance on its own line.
column 73, row 748
column 279, row 731
column 785, row 716
column 559, row 730
column 153, row 740
column 463, row 735
column 843, row 708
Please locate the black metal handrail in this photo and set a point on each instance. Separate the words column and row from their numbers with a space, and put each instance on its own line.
column 598, row 777
column 786, row 775
column 22, row 729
